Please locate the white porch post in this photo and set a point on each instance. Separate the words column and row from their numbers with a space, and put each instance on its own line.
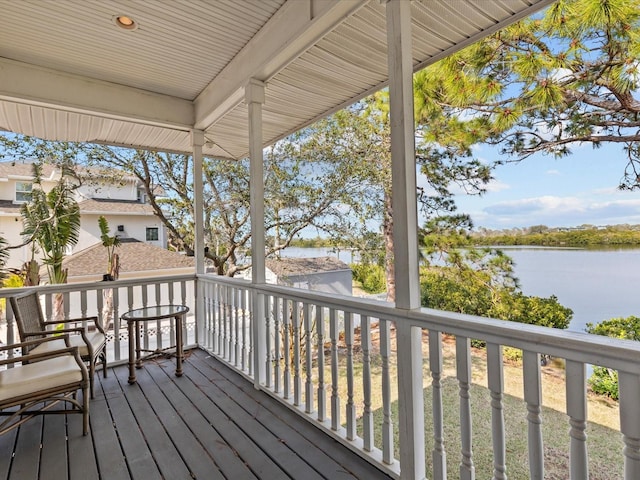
column 254, row 97
column 197, row 141
column 405, row 235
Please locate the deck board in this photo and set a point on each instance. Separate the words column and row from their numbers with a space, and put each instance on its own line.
column 210, row 424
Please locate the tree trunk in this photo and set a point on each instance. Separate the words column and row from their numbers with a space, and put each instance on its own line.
column 387, row 232
column 107, row 294
column 58, row 307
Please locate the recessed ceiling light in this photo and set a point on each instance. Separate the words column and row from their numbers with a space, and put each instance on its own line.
column 124, row 21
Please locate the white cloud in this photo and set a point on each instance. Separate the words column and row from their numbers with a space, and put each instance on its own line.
column 553, row 172
column 497, row 186
column 558, row 211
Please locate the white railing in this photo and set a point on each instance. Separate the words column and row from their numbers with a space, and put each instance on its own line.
column 342, row 362
column 88, row 299
column 345, row 363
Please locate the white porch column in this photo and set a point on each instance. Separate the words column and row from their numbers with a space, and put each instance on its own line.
column 197, row 141
column 254, row 97
column 405, row 235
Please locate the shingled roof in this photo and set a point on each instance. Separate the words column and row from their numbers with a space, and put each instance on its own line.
column 24, row 168
column 135, row 256
column 289, row 266
column 100, row 205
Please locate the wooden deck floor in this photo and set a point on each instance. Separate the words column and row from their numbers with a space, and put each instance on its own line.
column 208, row 424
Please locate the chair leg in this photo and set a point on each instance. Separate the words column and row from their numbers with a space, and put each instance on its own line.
column 85, row 410
column 92, row 371
column 104, row 362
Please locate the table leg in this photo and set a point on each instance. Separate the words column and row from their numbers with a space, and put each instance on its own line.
column 131, row 328
column 179, row 350
column 138, row 354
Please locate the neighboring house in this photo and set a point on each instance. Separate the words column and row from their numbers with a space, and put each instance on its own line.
column 121, row 202
column 137, row 259
column 321, row 274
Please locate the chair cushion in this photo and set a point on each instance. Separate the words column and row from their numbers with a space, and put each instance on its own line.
column 96, row 339
column 36, row 377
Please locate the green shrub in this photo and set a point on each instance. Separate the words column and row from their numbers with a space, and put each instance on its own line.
column 624, row 328
column 604, row 381
column 370, row 276
column 512, row 354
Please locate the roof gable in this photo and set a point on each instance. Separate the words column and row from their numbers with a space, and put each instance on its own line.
column 288, row 266
column 135, row 256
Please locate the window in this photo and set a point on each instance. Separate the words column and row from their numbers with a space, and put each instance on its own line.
column 23, row 191
column 152, row 234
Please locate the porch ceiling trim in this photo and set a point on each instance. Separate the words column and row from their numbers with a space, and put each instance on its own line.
column 187, row 65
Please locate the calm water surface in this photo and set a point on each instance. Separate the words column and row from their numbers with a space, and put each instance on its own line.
column 596, row 284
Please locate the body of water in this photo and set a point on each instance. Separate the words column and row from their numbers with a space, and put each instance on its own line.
column 596, row 284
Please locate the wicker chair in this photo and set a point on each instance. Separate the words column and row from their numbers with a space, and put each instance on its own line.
column 91, row 341
column 41, row 382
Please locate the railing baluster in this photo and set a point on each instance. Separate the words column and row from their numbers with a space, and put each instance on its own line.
column 367, row 415
column 629, row 388
column 351, row 408
column 277, row 332
column 576, row 385
column 237, row 319
column 297, row 378
column 83, row 304
column 159, row 322
column 438, row 455
column 246, row 332
column 495, row 382
column 268, row 360
column 226, row 319
column 322, row 389
column 100, row 293
column 116, row 324
column 308, row 354
column 387, row 423
column 205, row 315
column 220, row 319
column 286, row 337
column 533, row 399
column 145, row 326
column 252, row 347
column 335, row 397
column 463, row 369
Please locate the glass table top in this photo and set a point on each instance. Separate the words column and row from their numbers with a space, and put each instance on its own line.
column 155, row 312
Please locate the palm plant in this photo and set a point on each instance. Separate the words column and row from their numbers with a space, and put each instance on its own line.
column 110, row 242
column 52, row 220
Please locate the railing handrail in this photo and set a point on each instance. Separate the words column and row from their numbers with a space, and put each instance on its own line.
column 587, row 348
column 96, row 285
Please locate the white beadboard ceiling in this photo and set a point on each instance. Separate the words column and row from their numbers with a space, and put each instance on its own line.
column 67, row 72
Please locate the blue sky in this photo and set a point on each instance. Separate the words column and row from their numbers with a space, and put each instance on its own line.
column 541, row 190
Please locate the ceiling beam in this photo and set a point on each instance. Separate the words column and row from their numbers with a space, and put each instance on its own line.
column 34, row 85
column 297, row 26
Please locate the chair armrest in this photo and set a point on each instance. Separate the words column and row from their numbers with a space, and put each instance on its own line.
column 71, row 320
column 36, row 341
column 58, row 334
column 79, row 330
column 68, row 350
column 93, row 319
